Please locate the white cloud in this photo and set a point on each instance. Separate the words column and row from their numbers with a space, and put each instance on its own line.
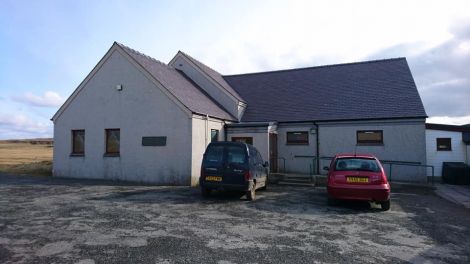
column 48, row 99
column 14, row 126
column 449, row 120
column 307, row 33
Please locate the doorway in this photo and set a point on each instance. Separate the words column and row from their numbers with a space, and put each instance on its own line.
column 273, row 152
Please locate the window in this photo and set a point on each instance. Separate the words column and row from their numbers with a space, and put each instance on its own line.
column 112, row 141
column 235, row 155
column 370, row 137
column 78, row 142
column 356, row 164
column 248, row 140
column 214, row 135
column 214, row 154
column 297, row 138
column 444, row 144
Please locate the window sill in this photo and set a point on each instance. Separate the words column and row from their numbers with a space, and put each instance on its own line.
column 77, row 155
column 111, row 155
column 370, row 144
column 298, row 144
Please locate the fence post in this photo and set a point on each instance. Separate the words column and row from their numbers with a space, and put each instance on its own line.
column 432, row 169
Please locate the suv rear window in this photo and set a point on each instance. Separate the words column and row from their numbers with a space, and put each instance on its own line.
column 357, row 164
column 236, row 155
column 215, row 154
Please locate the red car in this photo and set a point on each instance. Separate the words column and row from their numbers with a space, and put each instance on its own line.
column 358, row 177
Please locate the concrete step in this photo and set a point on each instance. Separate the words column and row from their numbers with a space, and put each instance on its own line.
column 298, row 180
column 298, row 177
column 289, row 183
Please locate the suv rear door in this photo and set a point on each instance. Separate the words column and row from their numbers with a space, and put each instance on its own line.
column 236, row 164
column 213, row 164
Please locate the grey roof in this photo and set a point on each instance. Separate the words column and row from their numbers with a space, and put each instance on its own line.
column 186, row 91
column 364, row 90
column 217, row 77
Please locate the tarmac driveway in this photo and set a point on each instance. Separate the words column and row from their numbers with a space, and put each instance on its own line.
column 45, row 220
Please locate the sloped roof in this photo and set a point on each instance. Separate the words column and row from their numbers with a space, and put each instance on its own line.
column 186, row 91
column 217, row 77
column 446, row 127
column 364, row 90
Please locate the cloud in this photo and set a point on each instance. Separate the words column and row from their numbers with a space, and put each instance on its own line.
column 441, row 71
column 14, row 126
column 48, row 99
column 450, row 120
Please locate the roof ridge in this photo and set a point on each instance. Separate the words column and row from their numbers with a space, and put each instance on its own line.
column 317, row 67
column 141, row 54
column 191, row 57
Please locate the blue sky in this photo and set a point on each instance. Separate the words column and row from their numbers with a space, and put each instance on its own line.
column 48, row 47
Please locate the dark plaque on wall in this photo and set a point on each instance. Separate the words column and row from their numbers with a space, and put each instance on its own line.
column 153, row 141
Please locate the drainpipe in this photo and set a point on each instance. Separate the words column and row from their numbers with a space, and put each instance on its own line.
column 318, row 147
column 225, row 131
column 207, row 128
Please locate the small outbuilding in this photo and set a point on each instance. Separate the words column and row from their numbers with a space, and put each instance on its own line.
column 447, row 143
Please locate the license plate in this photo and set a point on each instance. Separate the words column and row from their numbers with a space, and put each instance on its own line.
column 357, row 179
column 214, row 178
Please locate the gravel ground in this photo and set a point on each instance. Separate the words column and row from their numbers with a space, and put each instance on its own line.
column 47, row 220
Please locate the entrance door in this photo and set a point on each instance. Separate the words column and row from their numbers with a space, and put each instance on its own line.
column 273, row 152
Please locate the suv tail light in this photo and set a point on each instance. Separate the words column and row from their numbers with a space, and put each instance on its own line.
column 247, row 175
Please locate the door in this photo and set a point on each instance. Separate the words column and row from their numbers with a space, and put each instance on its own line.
column 273, row 152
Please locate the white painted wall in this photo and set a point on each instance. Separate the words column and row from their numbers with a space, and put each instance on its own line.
column 260, row 141
column 404, row 140
column 140, row 109
column 288, row 152
column 230, row 103
column 457, row 154
column 201, row 137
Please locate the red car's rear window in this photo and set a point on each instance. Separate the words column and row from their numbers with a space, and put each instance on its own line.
column 357, row 164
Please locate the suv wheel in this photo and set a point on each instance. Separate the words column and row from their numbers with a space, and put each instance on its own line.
column 265, row 186
column 385, row 205
column 251, row 195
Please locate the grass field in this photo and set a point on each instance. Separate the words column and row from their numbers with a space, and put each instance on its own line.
column 32, row 157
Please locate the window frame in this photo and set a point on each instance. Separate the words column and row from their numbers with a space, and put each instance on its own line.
column 73, row 152
column 448, row 147
column 370, row 142
column 216, row 134
column 106, row 152
column 235, row 139
column 297, row 142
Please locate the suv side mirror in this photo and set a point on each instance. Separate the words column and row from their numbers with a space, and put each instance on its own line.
column 266, row 164
column 326, row 168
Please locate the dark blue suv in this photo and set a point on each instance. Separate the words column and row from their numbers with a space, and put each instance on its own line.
column 233, row 166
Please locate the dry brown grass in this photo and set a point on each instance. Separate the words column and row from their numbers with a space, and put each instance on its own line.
column 25, row 157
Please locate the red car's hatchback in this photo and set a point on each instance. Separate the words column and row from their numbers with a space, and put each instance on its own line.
column 358, row 177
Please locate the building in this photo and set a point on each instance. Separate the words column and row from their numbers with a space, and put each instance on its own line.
column 135, row 118
column 447, row 143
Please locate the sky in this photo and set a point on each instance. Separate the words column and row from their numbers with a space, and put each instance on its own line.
column 48, row 47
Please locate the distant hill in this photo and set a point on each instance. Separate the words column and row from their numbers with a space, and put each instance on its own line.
column 41, row 141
